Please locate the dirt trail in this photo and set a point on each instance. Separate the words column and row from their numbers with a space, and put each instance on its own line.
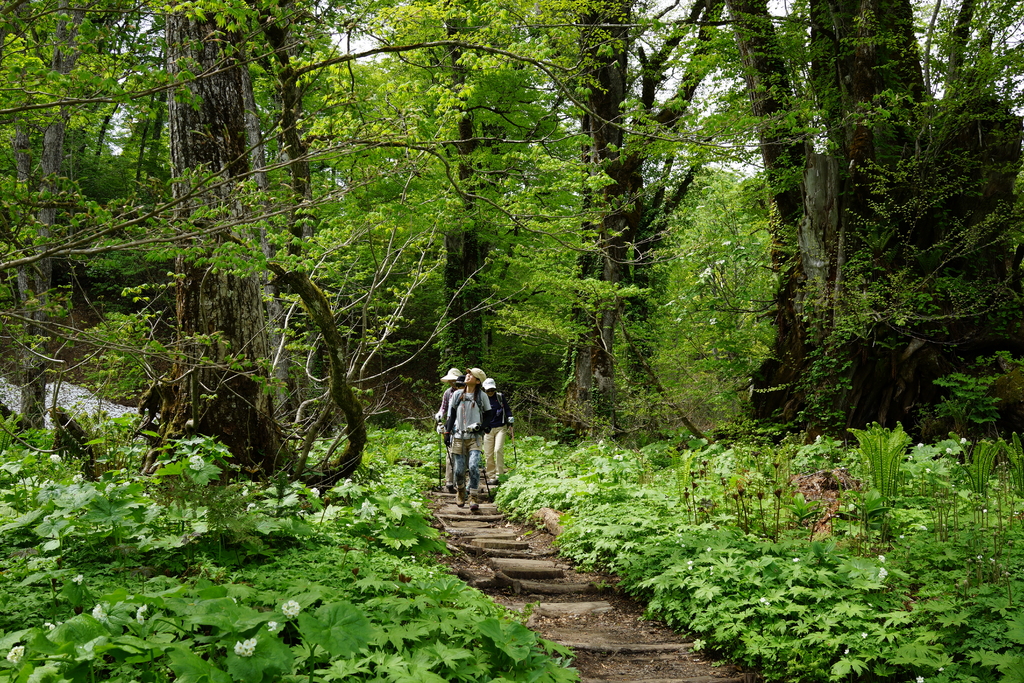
column 517, row 567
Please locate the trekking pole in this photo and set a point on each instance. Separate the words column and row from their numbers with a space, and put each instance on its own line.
column 440, row 458
column 515, row 455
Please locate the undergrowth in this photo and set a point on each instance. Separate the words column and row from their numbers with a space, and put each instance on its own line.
column 921, row 584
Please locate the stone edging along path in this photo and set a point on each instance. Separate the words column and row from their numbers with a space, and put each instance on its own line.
column 517, row 567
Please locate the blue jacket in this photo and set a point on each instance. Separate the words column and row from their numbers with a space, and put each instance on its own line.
column 500, row 411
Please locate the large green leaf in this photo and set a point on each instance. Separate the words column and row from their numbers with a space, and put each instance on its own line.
column 270, row 659
column 191, row 668
column 340, row 628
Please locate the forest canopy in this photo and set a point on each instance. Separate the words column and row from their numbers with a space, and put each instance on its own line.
column 265, row 220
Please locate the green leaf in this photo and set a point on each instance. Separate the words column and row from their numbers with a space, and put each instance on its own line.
column 340, row 628
column 190, row 668
column 270, row 659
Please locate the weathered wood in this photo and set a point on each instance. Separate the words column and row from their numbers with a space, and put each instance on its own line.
column 617, row 648
column 571, row 609
column 499, row 543
column 551, row 520
column 695, row 679
column 470, row 516
column 528, row 569
column 544, row 588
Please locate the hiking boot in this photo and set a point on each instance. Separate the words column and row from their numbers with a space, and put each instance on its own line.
column 451, row 488
column 474, row 502
column 492, row 482
column 460, row 497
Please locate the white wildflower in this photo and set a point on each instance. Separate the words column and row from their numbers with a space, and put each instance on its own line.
column 98, row 613
column 16, row 653
column 920, row 445
column 863, row 635
column 78, row 478
column 78, row 579
column 796, row 559
column 881, row 558
column 920, row 679
column 315, row 491
column 250, row 507
column 949, row 451
column 197, row 463
column 882, row 573
column 290, row 609
column 49, row 626
column 984, row 511
column 846, row 651
column 140, row 614
column 272, row 626
column 55, row 459
column 963, row 440
column 245, row 648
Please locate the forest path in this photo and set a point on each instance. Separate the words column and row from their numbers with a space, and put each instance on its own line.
column 516, row 566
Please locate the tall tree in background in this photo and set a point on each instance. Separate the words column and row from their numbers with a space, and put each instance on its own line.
column 218, row 386
column 896, row 228
column 35, row 279
column 632, row 183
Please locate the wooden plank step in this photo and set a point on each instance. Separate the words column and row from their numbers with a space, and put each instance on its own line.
column 528, row 569
column 566, row 609
column 469, row 516
column 695, row 679
column 485, row 509
column 467, row 526
column 544, row 588
column 499, row 543
column 474, row 529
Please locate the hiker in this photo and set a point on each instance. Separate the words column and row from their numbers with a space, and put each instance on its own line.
column 469, row 413
column 494, row 440
column 441, row 416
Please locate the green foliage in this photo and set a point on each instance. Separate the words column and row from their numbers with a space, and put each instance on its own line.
column 187, row 577
column 937, row 598
column 969, row 403
column 884, row 450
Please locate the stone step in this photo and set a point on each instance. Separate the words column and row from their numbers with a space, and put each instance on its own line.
column 499, row 543
column 528, row 569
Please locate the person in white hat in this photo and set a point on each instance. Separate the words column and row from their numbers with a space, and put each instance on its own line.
column 468, row 416
column 440, row 417
column 494, row 440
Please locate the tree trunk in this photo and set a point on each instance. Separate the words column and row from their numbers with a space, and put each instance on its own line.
column 34, row 281
column 218, row 385
column 903, row 268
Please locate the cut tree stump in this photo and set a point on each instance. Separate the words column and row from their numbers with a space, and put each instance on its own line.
column 550, row 519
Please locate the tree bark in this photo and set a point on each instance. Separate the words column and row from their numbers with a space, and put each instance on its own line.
column 902, row 268
column 218, row 384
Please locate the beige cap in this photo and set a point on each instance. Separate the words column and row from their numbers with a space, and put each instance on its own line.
column 453, row 374
column 478, row 373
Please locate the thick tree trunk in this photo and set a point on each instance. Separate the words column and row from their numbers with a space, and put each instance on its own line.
column 903, row 270
column 217, row 387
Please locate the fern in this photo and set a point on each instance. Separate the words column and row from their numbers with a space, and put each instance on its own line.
column 983, row 457
column 883, row 448
column 1015, row 454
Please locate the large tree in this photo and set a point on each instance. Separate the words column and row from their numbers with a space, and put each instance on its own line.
column 891, row 156
column 219, row 384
